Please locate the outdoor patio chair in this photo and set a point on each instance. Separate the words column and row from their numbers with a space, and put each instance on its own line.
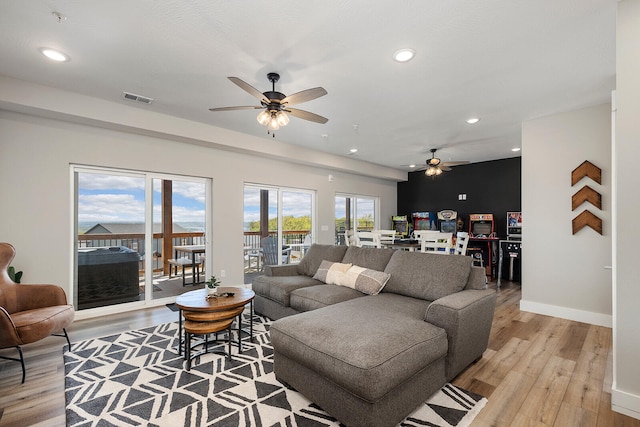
column 271, row 251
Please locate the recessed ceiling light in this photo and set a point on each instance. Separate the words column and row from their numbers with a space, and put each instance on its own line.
column 412, row 166
column 404, row 55
column 473, row 120
column 353, row 150
column 53, row 54
column 515, row 149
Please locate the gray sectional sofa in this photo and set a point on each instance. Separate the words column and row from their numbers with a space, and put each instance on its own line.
column 368, row 334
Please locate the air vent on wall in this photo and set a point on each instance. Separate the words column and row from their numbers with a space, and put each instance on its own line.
column 137, row 98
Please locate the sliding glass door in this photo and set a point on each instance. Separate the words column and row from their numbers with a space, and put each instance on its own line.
column 278, row 224
column 138, row 236
column 354, row 213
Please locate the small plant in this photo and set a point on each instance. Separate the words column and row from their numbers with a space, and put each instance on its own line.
column 213, row 282
column 14, row 275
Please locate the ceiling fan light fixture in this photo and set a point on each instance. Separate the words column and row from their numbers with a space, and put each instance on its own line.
column 264, row 117
column 273, row 123
column 282, row 118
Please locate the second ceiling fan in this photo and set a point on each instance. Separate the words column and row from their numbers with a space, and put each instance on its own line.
column 434, row 166
column 275, row 104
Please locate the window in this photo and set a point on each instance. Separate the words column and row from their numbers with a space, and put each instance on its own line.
column 129, row 229
column 353, row 212
column 283, row 214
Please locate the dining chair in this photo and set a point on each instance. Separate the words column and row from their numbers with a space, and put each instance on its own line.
column 462, row 241
column 368, row 239
column 386, row 236
column 439, row 243
column 349, row 238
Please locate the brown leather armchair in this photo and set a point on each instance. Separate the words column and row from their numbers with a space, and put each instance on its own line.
column 29, row 313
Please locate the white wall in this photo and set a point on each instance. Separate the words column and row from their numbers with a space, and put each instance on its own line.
column 36, row 190
column 563, row 274
column 625, row 395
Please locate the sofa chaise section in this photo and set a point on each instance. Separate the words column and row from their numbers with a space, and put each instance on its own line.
column 364, row 361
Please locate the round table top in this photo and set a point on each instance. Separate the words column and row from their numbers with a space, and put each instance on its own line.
column 197, row 300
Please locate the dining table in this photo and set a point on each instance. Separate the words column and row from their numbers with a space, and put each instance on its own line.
column 194, row 250
column 403, row 244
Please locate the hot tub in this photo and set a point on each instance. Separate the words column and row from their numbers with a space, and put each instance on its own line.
column 106, row 276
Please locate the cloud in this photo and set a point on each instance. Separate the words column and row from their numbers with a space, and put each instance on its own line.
column 110, row 208
column 191, row 190
column 92, row 181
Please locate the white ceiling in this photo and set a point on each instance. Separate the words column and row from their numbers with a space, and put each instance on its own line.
column 504, row 61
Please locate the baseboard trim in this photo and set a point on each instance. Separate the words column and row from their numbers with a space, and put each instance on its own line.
column 598, row 319
column 625, row 403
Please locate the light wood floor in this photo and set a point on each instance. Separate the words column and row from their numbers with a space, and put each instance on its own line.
column 538, row 371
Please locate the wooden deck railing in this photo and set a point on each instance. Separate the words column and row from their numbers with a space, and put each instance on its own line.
column 136, row 242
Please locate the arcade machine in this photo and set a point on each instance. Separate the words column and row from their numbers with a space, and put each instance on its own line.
column 401, row 225
column 424, row 221
column 512, row 247
column 483, row 240
column 447, row 221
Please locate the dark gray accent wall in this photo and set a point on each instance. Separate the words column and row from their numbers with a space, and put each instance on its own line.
column 491, row 187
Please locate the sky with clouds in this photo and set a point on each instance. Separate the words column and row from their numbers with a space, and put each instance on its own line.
column 119, row 198
column 113, row 198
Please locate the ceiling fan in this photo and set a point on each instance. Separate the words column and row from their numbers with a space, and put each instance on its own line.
column 434, row 166
column 274, row 104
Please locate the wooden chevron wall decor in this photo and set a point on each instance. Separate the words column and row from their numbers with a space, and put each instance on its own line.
column 586, row 194
column 585, row 219
column 586, row 169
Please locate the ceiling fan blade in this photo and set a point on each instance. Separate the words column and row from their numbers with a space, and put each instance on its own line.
column 236, row 108
column 464, row 162
column 304, row 96
column 249, row 89
column 445, row 168
column 301, row 114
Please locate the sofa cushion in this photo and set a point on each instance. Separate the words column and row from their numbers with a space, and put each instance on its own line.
column 426, row 276
column 329, row 272
column 279, row 288
column 373, row 258
column 364, row 280
column 314, row 297
column 316, row 254
column 365, row 345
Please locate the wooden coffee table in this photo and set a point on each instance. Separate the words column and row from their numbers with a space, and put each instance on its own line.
column 196, row 306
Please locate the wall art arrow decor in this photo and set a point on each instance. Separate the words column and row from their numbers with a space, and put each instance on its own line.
column 586, row 218
column 586, row 169
column 586, row 194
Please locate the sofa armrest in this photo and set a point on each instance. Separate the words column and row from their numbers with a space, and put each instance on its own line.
column 477, row 278
column 466, row 316
column 281, row 270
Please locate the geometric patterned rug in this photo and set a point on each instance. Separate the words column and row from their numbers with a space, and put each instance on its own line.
column 137, row 379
